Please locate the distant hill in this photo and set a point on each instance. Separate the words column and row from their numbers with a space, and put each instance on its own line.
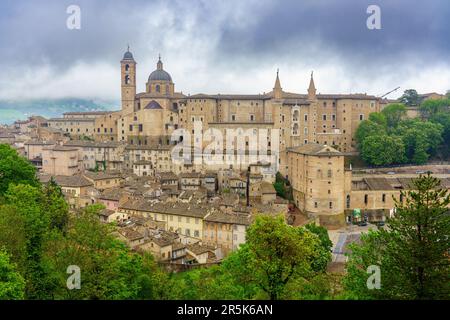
column 11, row 111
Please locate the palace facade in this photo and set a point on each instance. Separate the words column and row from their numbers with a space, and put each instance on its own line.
column 150, row 117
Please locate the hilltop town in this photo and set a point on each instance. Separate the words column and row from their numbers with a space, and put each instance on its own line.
column 194, row 212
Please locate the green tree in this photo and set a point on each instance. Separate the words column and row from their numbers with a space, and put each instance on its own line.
column 379, row 118
column 25, row 201
column 394, row 113
column 55, row 205
column 15, row 169
column 410, row 98
column 323, row 256
column 12, row 284
column 383, row 150
column 421, row 139
column 412, row 252
column 431, row 107
column 109, row 270
column 278, row 253
column 369, row 128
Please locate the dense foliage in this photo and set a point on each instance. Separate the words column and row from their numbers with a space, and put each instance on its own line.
column 412, row 253
column 39, row 240
column 278, row 261
column 388, row 137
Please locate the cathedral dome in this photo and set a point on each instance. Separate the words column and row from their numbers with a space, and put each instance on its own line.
column 159, row 74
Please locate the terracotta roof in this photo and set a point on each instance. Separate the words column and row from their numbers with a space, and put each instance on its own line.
column 39, row 143
column 93, row 144
column 67, row 181
column 106, row 212
column 88, row 113
column 230, row 218
column 60, row 148
column 316, row 150
column 199, row 249
column 174, row 208
column 131, row 234
column 267, row 188
column 378, row 184
column 100, row 175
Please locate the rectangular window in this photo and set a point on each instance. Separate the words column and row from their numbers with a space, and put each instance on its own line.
column 383, row 198
column 324, row 117
column 131, row 127
column 361, row 117
column 141, row 128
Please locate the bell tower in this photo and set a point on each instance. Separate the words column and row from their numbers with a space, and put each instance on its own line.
column 128, row 81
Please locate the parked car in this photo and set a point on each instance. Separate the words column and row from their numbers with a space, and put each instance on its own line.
column 362, row 223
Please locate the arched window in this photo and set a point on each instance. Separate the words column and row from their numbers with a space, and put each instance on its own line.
column 158, row 88
column 295, row 129
column 127, row 67
column 167, row 88
column 127, row 79
column 295, row 115
column 348, row 201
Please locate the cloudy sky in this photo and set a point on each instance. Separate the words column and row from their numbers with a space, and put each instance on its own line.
column 224, row 46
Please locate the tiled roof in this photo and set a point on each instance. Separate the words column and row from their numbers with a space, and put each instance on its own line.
column 231, row 218
column 67, row 181
column 100, row 175
column 378, row 184
column 84, row 143
column 316, row 150
column 178, row 208
column 199, row 249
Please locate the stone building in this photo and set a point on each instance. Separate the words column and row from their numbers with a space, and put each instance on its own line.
column 324, row 189
column 61, row 160
column 317, row 175
column 150, row 117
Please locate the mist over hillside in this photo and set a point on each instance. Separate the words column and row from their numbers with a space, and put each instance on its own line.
column 11, row 110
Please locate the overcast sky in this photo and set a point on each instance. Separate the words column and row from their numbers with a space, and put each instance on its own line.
column 224, row 46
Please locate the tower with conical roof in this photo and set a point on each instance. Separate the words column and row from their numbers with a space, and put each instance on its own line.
column 128, row 81
column 311, row 88
column 312, row 110
column 277, row 90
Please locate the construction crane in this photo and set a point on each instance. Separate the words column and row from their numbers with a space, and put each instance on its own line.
column 384, row 95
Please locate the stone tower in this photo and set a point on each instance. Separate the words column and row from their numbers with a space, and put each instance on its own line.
column 128, row 81
column 277, row 90
column 312, row 98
